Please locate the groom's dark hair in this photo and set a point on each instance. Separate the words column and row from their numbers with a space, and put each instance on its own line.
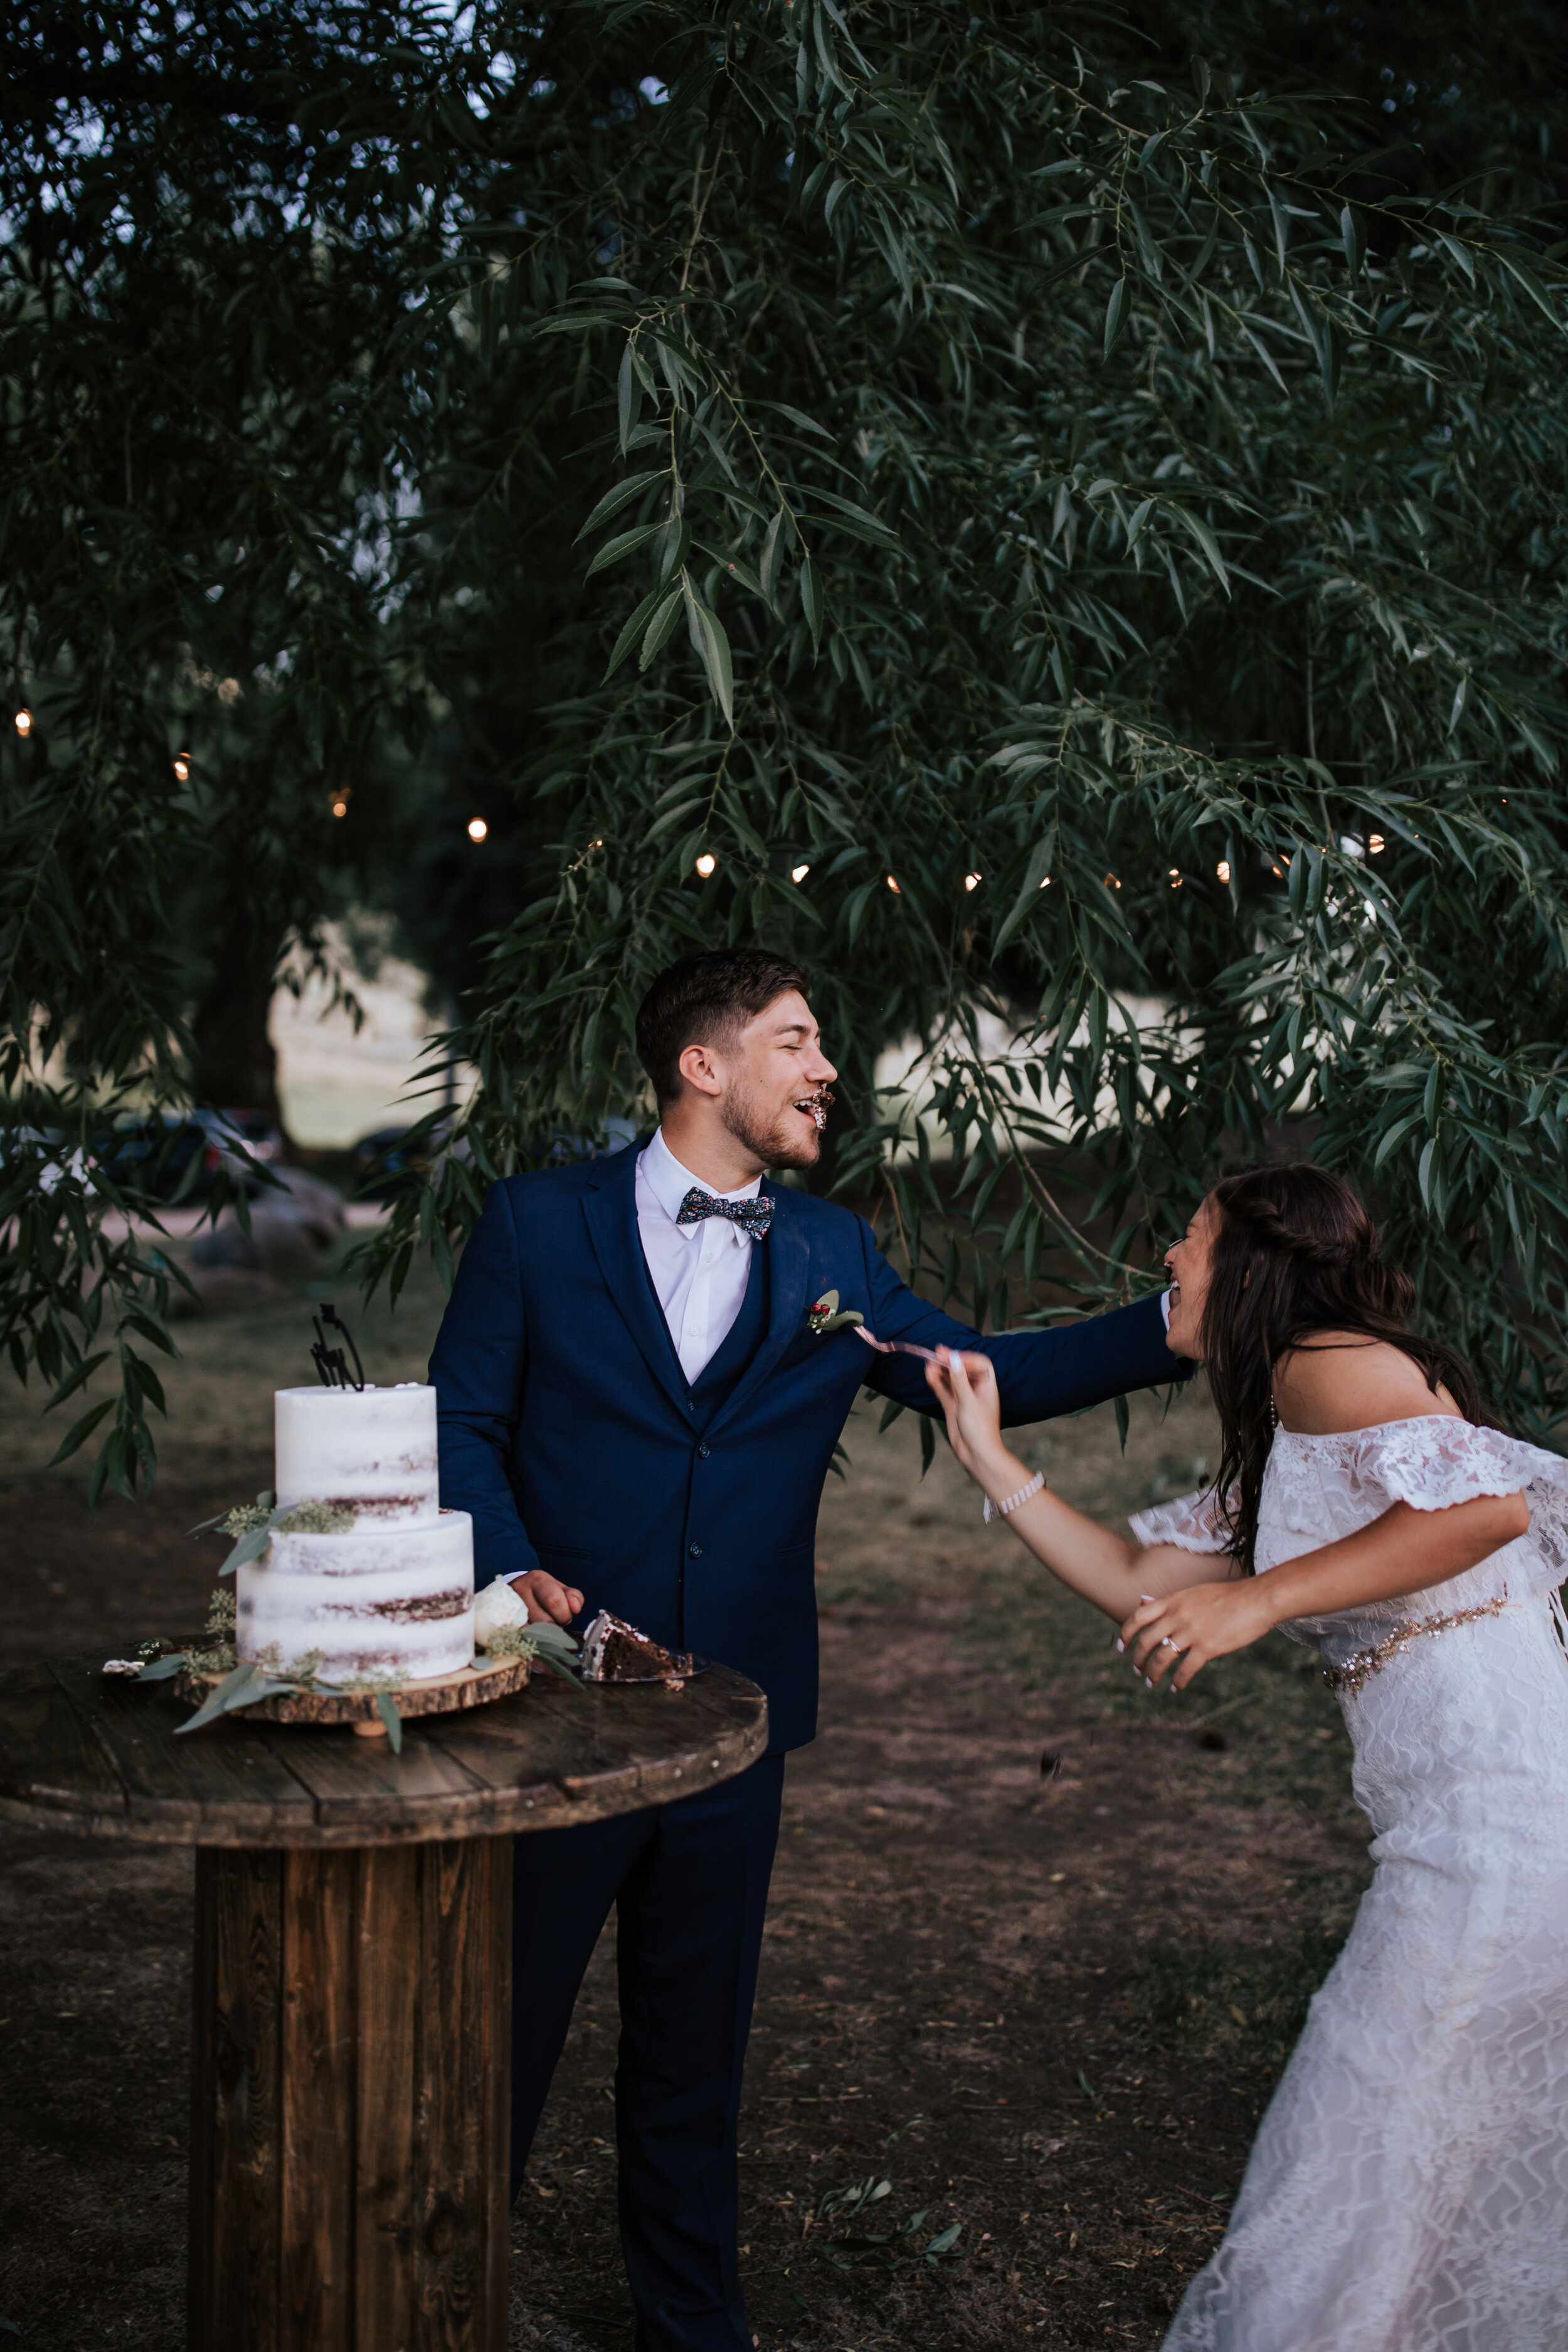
column 703, row 998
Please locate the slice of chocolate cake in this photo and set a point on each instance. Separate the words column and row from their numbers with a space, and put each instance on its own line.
column 615, row 1652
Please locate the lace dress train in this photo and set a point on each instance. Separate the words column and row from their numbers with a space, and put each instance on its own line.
column 1409, row 2188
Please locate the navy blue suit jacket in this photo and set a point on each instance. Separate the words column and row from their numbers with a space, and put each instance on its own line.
column 569, row 1432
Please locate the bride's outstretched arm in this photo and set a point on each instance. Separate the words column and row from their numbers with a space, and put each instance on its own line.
column 1178, row 1610
column 1092, row 1559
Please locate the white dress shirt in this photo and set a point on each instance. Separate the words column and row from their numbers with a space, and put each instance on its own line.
column 700, row 1272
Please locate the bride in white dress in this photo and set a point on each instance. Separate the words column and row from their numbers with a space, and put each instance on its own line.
column 1409, row 2188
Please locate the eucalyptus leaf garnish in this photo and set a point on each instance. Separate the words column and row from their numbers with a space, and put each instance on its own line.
column 218, row 1703
column 251, row 1546
column 241, row 1515
column 244, row 1682
column 254, row 1525
column 314, row 1520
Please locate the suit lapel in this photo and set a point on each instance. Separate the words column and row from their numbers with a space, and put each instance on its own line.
column 611, row 1211
column 789, row 1274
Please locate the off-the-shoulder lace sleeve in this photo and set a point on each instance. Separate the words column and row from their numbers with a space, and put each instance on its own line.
column 1434, row 1463
column 1190, row 1523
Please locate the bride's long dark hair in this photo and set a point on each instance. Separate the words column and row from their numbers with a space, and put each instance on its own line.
column 1294, row 1254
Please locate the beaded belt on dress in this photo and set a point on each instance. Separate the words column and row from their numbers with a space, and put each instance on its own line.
column 1361, row 1664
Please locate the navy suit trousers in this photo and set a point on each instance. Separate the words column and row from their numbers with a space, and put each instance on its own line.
column 689, row 1885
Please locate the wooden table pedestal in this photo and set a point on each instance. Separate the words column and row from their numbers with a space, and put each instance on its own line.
column 352, row 2035
column 354, row 1968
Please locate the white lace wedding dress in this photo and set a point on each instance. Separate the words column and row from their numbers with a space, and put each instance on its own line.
column 1409, row 2188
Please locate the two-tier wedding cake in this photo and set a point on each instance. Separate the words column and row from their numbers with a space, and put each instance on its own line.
column 364, row 1566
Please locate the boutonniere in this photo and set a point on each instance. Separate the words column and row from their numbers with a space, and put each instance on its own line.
column 826, row 1316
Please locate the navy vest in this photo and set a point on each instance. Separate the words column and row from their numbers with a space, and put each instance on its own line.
column 722, row 1370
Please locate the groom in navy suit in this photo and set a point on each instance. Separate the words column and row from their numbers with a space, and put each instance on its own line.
column 638, row 1415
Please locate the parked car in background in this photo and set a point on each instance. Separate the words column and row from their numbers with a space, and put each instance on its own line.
column 385, row 1164
column 235, row 1133
column 178, row 1158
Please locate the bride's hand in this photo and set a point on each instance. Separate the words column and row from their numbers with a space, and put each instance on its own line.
column 966, row 1388
column 1202, row 1622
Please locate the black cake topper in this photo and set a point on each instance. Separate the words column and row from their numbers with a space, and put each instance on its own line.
column 332, row 1363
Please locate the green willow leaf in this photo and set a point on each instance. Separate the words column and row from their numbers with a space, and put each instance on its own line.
column 1028, row 899
column 662, row 624
column 78, row 1378
column 1115, row 318
column 773, row 558
column 627, row 543
column 632, row 630
column 614, row 501
column 732, row 564
column 811, row 600
column 712, row 645
column 79, row 1432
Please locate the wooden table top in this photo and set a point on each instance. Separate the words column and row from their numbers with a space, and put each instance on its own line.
column 85, row 1751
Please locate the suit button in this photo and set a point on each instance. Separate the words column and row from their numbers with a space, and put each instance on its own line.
column 696, row 1551
column 702, row 1453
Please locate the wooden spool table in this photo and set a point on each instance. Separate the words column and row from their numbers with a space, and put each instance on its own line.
column 352, row 1979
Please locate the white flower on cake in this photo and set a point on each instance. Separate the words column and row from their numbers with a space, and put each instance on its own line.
column 496, row 1606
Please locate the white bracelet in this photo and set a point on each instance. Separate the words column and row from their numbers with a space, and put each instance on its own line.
column 1011, row 1502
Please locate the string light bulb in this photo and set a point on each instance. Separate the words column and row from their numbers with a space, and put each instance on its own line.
column 181, row 767
column 24, row 724
column 1112, row 883
column 798, row 873
column 478, row 828
column 1222, row 871
column 1374, row 842
column 971, row 881
column 1175, row 877
column 1047, row 883
column 894, row 887
column 707, row 864
column 340, row 802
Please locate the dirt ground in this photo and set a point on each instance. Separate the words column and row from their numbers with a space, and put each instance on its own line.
column 1058, row 1932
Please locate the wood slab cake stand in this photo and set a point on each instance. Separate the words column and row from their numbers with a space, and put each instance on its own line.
column 476, row 1686
column 351, row 1997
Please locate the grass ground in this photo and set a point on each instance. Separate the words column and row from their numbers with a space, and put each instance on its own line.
column 1038, row 1943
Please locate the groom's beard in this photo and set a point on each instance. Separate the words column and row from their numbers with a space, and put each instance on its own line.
column 778, row 1139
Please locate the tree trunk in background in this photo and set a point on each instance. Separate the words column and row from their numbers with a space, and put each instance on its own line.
column 236, row 1064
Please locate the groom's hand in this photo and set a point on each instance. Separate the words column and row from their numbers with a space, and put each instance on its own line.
column 547, row 1598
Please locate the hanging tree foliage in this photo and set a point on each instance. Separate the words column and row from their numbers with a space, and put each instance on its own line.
column 1068, row 533
column 1012, row 467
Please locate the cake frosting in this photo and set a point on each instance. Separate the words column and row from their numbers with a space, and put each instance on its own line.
column 371, row 1450
column 389, row 1593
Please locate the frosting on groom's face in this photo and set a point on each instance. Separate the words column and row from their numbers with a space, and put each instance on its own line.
column 771, row 1073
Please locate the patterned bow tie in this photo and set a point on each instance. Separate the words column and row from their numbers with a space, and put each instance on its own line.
column 754, row 1217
